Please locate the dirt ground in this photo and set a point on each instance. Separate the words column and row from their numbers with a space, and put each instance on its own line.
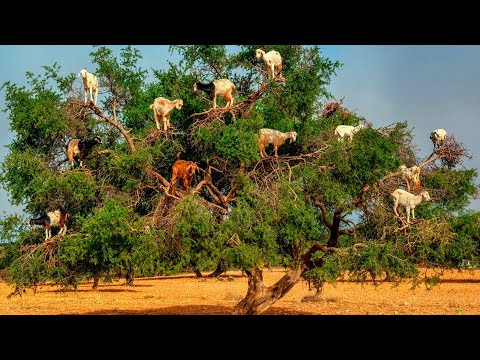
column 458, row 294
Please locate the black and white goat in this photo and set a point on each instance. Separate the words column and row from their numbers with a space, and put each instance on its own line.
column 55, row 218
column 220, row 87
column 438, row 137
column 78, row 149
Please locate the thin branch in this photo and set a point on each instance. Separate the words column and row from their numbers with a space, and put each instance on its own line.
column 150, row 172
column 96, row 110
column 321, row 205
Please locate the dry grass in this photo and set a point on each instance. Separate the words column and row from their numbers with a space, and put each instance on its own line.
column 188, row 295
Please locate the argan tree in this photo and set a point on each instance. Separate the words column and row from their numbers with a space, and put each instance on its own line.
column 321, row 209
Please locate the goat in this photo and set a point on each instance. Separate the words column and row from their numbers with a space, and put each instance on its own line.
column 56, row 218
column 220, row 87
column 273, row 59
column 183, row 170
column 347, row 130
column 411, row 176
column 438, row 137
column 90, row 84
column 162, row 108
column 408, row 201
column 77, row 149
column 275, row 137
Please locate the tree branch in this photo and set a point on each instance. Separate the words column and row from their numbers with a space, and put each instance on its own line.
column 150, row 172
column 96, row 110
column 321, row 205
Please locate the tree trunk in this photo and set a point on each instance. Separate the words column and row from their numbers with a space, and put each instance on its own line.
column 259, row 297
column 97, row 111
column 96, row 280
column 218, row 271
column 334, row 230
column 197, row 272
column 129, row 278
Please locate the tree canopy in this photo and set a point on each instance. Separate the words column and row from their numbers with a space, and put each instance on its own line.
column 322, row 209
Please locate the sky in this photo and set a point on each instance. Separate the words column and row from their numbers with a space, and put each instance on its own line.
column 428, row 86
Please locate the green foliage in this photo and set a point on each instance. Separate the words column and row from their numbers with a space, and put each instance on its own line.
column 35, row 115
column 211, row 59
column 194, row 234
column 238, row 145
column 121, row 76
column 363, row 161
column 297, row 221
column 28, row 274
column 126, row 170
column 112, row 243
column 245, row 256
column 329, row 271
column 18, row 171
column 11, row 227
column 76, row 192
column 457, row 186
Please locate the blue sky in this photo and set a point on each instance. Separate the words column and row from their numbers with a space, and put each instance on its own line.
column 429, row 86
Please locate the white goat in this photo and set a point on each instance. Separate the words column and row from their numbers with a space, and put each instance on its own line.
column 411, row 176
column 90, row 84
column 408, row 201
column 275, row 137
column 273, row 59
column 162, row 108
column 347, row 130
column 438, row 137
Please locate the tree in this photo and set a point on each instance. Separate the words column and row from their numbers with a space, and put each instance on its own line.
column 321, row 209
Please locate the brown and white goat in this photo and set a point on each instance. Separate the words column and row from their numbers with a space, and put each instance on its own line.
column 162, row 108
column 275, row 137
column 272, row 59
column 411, row 176
column 55, row 218
column 90, row 84
column 78, row 149
column 185, row 171
column 220, row 87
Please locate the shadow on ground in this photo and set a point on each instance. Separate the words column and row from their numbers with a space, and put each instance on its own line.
column 194, row 310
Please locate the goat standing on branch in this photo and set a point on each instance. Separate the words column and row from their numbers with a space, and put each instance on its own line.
column 347, row 130
column 90, row 84
column 272, row 59
column 438, row 137
column 183, row 170
column 275, row 137
column 162, row 108
column 53, row 218
column 408, row 200
column 77, row 149
column 411, row 176
column 220, row 87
